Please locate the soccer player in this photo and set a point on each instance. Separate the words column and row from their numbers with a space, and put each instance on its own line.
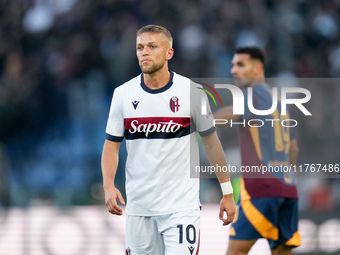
column 153, row 112
column 268, row 205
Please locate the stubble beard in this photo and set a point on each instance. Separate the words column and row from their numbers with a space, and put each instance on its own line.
column 243, row 82
column 152, row 69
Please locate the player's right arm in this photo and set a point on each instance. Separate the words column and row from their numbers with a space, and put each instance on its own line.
column 109, row 164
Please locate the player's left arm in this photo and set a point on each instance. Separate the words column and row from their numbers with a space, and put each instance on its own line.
column 225, row 113
column 216, row 157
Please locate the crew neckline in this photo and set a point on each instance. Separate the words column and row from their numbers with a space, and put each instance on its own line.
column 160, row 90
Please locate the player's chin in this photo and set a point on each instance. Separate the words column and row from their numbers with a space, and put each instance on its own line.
column 149, row 70
column 146, row 69
column 238, row 82
column 241, row 83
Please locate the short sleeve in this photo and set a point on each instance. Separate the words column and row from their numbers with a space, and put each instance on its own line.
column 115, row 124
column 204, row 123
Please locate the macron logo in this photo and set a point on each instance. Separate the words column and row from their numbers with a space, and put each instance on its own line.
column 135, row 104
column 191, row 249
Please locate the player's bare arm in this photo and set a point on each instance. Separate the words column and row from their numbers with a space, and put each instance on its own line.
column 109, row 167
column 226, row 113
column 216, row 156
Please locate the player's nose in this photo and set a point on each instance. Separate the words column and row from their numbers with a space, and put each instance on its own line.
column 233, row 70
column 145, row 51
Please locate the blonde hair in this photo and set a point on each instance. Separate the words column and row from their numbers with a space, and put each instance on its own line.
column 156, row 29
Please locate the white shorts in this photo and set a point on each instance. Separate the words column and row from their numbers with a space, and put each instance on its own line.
column 171, row 234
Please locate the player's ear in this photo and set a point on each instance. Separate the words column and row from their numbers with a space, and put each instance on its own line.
column 169, row 54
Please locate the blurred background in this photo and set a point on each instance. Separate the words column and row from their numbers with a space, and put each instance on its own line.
column 60, row 61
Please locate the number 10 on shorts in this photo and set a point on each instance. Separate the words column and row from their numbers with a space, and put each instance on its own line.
column 190, row 233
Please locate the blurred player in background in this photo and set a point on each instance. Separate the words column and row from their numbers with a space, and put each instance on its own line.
column 153, row 112
column 268, row 205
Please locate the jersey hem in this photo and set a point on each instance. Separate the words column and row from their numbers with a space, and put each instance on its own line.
column 198, row 207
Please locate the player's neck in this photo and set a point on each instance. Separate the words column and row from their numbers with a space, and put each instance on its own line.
column 259, row 80
column 157, row 80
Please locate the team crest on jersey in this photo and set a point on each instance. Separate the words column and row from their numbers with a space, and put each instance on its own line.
column 174, row 104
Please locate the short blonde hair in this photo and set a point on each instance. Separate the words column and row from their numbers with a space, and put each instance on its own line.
column 156, row 29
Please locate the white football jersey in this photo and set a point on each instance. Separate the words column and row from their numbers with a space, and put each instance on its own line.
column 160, row 131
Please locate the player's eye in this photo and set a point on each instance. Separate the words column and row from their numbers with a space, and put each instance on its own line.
column 153, row 46
column 139, row 47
